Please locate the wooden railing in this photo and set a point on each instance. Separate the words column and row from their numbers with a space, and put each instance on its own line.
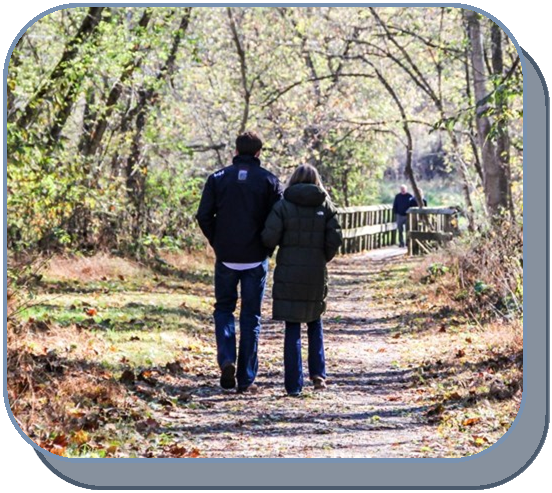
column 366, row 227
column 374, row 226
column 430, row 227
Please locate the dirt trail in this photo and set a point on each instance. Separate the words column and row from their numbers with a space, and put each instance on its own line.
column 368, row 409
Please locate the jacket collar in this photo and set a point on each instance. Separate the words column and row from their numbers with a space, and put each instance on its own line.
column 246, row 160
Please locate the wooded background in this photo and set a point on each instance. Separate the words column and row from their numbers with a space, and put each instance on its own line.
column 116, row 115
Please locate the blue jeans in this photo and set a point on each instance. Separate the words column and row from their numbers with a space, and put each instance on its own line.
column 402, row 225
column 293, row 364
column 252, row 283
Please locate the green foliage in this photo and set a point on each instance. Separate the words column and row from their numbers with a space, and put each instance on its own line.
column 481, row 288
column 437, row 270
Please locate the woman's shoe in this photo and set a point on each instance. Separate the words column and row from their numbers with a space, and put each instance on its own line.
column 319, row 383
column 252, row 389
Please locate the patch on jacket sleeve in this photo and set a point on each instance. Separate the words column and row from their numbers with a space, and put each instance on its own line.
column 320, row 213
column 218, row 174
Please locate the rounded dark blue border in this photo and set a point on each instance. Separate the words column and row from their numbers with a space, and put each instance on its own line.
column 499, row 466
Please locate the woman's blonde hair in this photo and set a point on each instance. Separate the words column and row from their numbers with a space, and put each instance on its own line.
column 306, row 173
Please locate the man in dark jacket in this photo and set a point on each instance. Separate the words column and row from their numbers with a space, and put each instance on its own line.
column 401, row 204
column 233, row 209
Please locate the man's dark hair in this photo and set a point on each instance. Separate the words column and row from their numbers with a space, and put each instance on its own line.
column 248, row 144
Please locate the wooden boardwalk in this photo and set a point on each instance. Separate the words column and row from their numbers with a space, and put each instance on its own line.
column 369, row 228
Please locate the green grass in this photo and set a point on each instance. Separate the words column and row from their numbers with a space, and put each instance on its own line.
column 141, row 328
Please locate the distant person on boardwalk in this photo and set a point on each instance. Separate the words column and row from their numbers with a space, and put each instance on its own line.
column 414, row 202
column 232, row 212
column 401, row 204
column 305, row 226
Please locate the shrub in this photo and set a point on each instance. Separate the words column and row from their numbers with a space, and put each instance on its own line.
column 483, row 271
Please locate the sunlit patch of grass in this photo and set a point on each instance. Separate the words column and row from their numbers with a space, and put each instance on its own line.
column 90, row 320
column 139, row 349
column 101, row 312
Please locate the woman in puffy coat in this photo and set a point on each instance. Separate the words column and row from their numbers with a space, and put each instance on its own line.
column 305, row 227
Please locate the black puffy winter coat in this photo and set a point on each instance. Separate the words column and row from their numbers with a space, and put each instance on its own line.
column 305, row 227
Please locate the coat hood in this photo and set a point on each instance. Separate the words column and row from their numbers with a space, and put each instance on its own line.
column 305, row 194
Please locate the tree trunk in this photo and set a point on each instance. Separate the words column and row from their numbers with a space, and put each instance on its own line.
column 87, row 28
column 135, row 166
column 408, row 171
column 494, row 173
column 502, row 138
column 92, row 137
column 243, row 71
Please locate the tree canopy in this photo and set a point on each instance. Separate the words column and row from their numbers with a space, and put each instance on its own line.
column 117, row 114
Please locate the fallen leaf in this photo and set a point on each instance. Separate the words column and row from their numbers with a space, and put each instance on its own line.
column 144, row 388
column 469, row 340
column 470, row 421
column 111, row 450
column 177, row 451
column 80, row 437
column 61, row 441
column 91, row 422
column 185, row 397
column 128, row 377
column 382, row 350
column 76, row 413
column 480, row 440
column 460, row 353
column 39, row 325
column 396, row 336
column 436, row 410
column 57, row 451
column 147, row 376
column 194, row 453
column 174, row 367
column 147, row 425
column 91, row 312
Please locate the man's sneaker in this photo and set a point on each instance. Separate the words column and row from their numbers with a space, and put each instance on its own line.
column 319, row 383
column 228, row 376
column 294, row 394
column 252, row 389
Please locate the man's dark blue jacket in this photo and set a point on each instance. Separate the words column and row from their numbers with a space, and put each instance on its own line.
column 402, row 203
column 233, row 209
